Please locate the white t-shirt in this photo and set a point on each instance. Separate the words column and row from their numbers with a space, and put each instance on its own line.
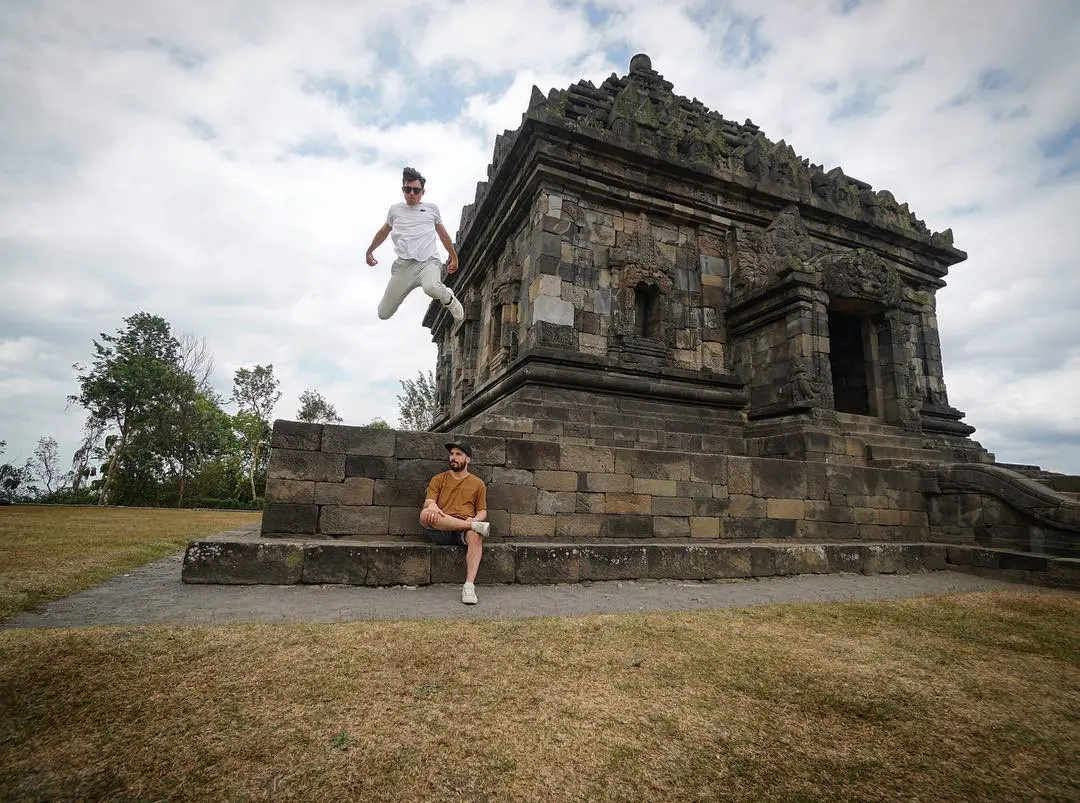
column 412, row 228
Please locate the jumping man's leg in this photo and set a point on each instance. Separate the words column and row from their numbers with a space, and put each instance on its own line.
column 405, row 276
column 431, row 281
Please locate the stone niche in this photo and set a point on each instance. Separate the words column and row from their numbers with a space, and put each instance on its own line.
column 639, row 271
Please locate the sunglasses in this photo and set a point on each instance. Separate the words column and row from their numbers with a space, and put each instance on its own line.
column 412, row 190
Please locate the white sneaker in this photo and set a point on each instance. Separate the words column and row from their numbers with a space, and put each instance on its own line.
column 456, row 310
column 481, row 528
column 468, row 594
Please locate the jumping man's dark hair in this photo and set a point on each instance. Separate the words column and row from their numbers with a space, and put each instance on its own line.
column 411, row 174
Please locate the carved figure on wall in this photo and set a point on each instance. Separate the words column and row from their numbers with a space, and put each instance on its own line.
column 859, row 274
column 763, row 256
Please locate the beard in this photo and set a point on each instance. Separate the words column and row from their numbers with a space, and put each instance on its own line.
column 457, row 465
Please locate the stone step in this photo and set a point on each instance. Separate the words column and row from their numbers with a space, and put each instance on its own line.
column 243, row 559
column 888, row 455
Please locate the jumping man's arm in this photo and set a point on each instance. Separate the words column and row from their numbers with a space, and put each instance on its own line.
column 448, row 244
column 376, row 241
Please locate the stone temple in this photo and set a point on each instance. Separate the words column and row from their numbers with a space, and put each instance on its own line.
column 688, row 352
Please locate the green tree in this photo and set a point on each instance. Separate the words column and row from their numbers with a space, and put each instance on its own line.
column 256, row 393
column 127, row 386
column 11, row 477
column 316, row 409
column 376, row 423
column 417, row 404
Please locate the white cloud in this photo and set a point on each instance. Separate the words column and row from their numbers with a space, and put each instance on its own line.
column 225, row 165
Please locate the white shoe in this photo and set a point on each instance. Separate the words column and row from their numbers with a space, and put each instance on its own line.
column 456, row 310
column 481, row 528
column 468, row 594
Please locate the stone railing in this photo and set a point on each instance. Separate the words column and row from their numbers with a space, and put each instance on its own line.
column 994, row 507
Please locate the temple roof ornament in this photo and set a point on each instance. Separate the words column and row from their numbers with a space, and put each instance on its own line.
column 640, row 112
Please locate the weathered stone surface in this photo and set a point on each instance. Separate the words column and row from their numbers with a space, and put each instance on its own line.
column 349, row 520
column 243, row 562
column 605, row 483
column 672, row 506
column 706, row 527
column 801, row 559
column 626, row 526
column 551, row 502
column 404, row 521
column 376, row 468
column 296, row 435
column 611, row 562
column 399, row 493
column 654, row 487
column 556, row 480
column 653, row 465
column 525, row 525
column 353, row 491
column 592, row 459
column 295, row 492
column 336, row 563
column 740, row 529
column 289, row 464
column 546, row 564
column 883, row 559
column 358, row 440
column 512, row 476
column 779, row 479
column 512, row 498
column 970, row 556
column 533, row 455
column 844, row 557
column 403, row 564
column 285, row 518
column 710, row 468
column 627, row 503
column 671, row 527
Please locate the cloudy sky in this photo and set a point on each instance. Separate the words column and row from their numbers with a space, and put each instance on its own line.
column 224, row 164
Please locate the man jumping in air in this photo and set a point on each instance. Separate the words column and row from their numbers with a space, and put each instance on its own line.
column 413, row 226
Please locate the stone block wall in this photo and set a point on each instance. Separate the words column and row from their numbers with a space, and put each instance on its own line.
column 334, row 481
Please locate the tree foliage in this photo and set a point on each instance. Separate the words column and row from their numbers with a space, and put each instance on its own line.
column 315, row 409
column 156, row 431
column 256, row 393
column 131, row 379
column 417, row 404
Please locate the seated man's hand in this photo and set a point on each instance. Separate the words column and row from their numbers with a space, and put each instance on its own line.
column 430, row 516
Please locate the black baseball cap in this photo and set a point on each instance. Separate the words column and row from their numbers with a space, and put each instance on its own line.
column 463, row 445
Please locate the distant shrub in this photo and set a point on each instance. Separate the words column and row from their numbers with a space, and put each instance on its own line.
column 227, row 504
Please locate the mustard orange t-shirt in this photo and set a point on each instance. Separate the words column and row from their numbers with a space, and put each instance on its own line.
column 458, row 497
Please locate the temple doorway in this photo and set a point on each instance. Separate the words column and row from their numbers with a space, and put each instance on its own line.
column 851, row 370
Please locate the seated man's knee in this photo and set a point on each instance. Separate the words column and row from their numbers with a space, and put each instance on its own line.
column 473, row 538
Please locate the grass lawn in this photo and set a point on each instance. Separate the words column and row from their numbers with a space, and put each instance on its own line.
column 973, row 697
column 49, row 552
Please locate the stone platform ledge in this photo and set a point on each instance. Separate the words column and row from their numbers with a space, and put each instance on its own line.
column 284, row 562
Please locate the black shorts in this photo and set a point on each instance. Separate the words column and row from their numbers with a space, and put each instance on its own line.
column 440, row 538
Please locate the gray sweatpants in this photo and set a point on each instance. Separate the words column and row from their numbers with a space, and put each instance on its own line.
column 408, row 274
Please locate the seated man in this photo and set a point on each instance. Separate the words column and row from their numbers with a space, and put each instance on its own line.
column 455, row 510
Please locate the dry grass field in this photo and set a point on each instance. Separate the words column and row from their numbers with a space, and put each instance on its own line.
column 50, row 551
column 972, row 697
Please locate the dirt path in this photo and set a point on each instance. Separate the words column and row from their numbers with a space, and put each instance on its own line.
column 155, row 595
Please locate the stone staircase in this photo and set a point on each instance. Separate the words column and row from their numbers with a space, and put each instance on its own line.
column 888, row 446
